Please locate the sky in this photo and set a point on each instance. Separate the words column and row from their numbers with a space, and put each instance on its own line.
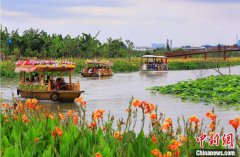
column 185, row 22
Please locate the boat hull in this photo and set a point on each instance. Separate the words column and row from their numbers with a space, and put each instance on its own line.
column 51, row 95
column 94, row 75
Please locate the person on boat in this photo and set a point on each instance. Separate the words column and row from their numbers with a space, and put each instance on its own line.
column 27, row 81
column 48, row 79
column 90, row 70
column 95, row 70
column 63, row 84
column 35, row 78
column 58, row 83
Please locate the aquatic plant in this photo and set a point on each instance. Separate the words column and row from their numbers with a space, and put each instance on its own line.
column 213, row 89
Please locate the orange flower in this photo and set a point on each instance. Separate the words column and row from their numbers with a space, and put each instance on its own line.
column 168, row 154
column 98, row 155
column 5, row 116
column 167, row 123
column 212, row 125
column 57, row 131
column 36, row 139
column 152, row 107
column 62, row 117
column 116, row 134
column 153, row 116
column 83, row 103
column 92, row 125
column 28, row 101
column 136, row 103
column 34, row 101
column 38, row 107
column 174, row 145
column 183, row 138
column 154, row 139
column 70, row 113
column 75, row 120
column 15, row 117
column 79, row 100
column 211, row 115
column 51, row 116
column 194, row 119
column 25, row 119
column 235, row 123
column 98, row 114
column 155, row 152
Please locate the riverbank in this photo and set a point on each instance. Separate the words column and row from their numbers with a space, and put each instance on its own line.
column 29, row 130
column 133, row 64
column 222, row 90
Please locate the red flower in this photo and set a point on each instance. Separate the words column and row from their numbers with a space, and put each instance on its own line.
column 154, row 139
column 235, row 123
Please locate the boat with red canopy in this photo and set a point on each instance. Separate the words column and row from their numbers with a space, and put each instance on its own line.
column 97, row 69
column 36, row 80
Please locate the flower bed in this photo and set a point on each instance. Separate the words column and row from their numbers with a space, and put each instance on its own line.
column 29, row 130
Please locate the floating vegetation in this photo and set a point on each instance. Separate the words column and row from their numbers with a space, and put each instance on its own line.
column 223, row 90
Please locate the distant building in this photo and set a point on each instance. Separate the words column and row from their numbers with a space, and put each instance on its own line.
column 143, row 48
column 155, row 45
column 238, row 43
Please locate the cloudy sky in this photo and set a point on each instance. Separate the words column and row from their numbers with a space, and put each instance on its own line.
column 186, row 22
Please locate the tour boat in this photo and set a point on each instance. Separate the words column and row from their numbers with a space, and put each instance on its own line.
column 39, row 87
column 154, row 63
column 97, row 69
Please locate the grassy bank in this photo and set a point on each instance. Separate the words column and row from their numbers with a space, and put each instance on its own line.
column 129, row 65
column 200, row 63
column 29, row 130
column 214, row 89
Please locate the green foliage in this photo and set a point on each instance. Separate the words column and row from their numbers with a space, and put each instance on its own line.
column 28, row 130
column 214, row 89
column 36, row 43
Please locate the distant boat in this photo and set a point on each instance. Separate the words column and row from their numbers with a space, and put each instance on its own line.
column 154, row 63
column 97, row 69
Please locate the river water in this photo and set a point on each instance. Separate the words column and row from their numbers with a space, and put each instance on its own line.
column 113, row 94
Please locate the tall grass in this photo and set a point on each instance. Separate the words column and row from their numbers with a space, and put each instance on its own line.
column 133, row 64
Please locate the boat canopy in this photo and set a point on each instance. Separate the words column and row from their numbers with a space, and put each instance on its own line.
column 100, row 63
column 153, row 56
column 43, row 65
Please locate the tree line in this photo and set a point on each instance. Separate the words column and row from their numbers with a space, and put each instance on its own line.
column 38, row 43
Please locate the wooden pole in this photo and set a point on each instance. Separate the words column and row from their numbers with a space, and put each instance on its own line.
column 205, row 55
column 61, row 74
column 70, row 78
column 225, row 55
column 24, row 77
column 51, row 75
column 43, row 77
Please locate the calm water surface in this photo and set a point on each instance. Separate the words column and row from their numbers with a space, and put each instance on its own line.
column 113, row 94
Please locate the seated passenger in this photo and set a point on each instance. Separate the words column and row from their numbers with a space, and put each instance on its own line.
column 90, row 70
column 27, row 81
column 58, row 82
column 63, row 84
column 48, row 80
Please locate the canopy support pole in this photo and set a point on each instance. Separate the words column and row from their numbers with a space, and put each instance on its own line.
column 70, row 78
